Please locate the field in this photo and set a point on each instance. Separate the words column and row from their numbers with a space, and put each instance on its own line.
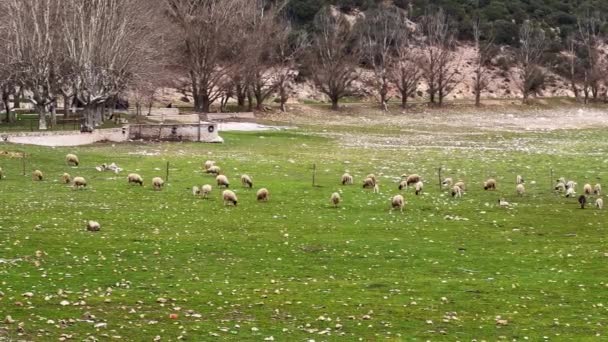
column 295, row 268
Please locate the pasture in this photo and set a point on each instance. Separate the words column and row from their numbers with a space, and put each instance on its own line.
column 167, row 265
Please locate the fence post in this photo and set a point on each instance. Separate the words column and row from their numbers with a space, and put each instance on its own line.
column 314, row 174
column 439, row 173
column 551, row 182
column 167, row 174
column 23, row 162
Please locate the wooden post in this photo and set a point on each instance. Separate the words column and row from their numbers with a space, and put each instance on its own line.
column 551, row 182
column 167, row 174
column 440, row 181
column 23, row 161
column 314, row 174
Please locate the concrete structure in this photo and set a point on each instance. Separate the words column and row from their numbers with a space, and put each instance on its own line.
column 245, row 116
column 203, row 131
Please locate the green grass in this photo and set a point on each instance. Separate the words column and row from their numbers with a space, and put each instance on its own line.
column 295, row 267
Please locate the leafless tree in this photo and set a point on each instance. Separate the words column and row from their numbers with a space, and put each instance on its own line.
column 573, row 65
column 333, row 58
column 209, row 35
column 589, row 27
column 405, row 67
column 440, row 65
column 289, row 47
column 483, row 54
column 529, row 55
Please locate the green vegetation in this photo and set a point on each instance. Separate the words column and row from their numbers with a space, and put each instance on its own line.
column 295, row 268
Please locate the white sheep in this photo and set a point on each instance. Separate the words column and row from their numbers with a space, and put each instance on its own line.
column 347, row 179
column 597, row 189
column 461, row 185
column 208, row 164
column 206, row 190
column 335, row 199
column 587, row 189
column 447, row 182
column 412, row 179
column 93, row 226
column 372, row 177
column 403, row 185
column 158, row 183
column 520, row 189
column 490, row 184
column 79, row 183
column 135, row 178
column 72, row 160
column 66, row 178
column 214, row 170
column 503, row 203
column 570, row 192
column 246, row 181
column 519, row 180
column 222, row 181
column 398, row 202
column 196, row 191
column 369, row 183
column 418, row 187
column 599, row 203
column 37, row 175
column 376, row 188
column 262, row 195
column 456, row 191
column 229, row 197
column 571, row 185
column 560, row 186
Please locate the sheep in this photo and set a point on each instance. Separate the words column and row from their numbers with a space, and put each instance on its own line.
column 412, row 179
column 347, row 179
column 560, row 187
column 208, row 164
column 587, row 189
column 447, row 182
column 335, row 199
column 229, row 197
column 66, row 178
column 461, row 185
column 79, row 183
column 570, row 192
column 599, row 203
column 158, row 183
column 571, row 184
column 597, row 189
column 1, row 174
column 519, row 180
column 418, row 187
column 503, row 203
column 222, row 181
column 37, row 175
column 206, row 190
column 93, row 226
column 456, row 191
column 582, row 200
column 369, row 183
column 196, row 191
column 246, row 181
column 372, row 177
column 262, row 195
column 398, row 202
column 520, row 189
column 403, row 185
column 561, row 180
column 72, row 160
column 135, row 178
column 214, row 170
column 376, row 188
column 490, row 184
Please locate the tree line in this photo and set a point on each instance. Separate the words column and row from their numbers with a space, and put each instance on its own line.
column 95, row 52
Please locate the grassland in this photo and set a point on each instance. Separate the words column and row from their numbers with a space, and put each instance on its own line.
column 296, row 269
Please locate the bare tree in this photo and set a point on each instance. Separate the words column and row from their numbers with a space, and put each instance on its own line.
column 589, row 27
column 573, row 65
column 529, row 55
column 333, row 59
column 380, row 38
column 288, row 48
column 483, row 53
column 440, row 65
column 405, row 69
column 209, row 35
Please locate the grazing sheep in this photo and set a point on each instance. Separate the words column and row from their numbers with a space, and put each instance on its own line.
column 347, row 179
column 403, row 185
column 158, row 183
column 369, row 183
column 571, row 185
column 206, row 190
column 599, row 203
column 222, row 181
column 246, row 181
column 503, row 204
column 335, row 199
column 520, row 189
column 597, row 189
column 561, row 180
column 570, row 192
column 93, row 226
column 229, row 197
column 376, row 188
column 412, row 179
column 447, row 182
column 79, row 183
column 456, row 191
column 561, row 187
column 582, row 200
column 262, row 195
column 196, row 191
column 587, row 189
column 461, row 185
column 398, row 202
column 214, row 170
column 419, row 187
column 135, row 178
column 208, row 164
column 519, row 180
column 372, row 177
column 37, row 175
column 72, row 160
column 490, row 184
column 66, row 178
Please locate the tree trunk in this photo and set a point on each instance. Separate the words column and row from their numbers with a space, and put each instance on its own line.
column 404, row 99
column 477, row 98
column 334, row 103
column 88, row 121
column 54, row 113
column 67, row 103
column 195, row 93
column 41, row 110
column 283, row 99
column 249, row 101
column 241, row 95
column 205, row 103
column 17, row 98
column 259, row 101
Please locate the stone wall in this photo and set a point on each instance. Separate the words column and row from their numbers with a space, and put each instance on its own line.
column 205, row 132
column 66, row 138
